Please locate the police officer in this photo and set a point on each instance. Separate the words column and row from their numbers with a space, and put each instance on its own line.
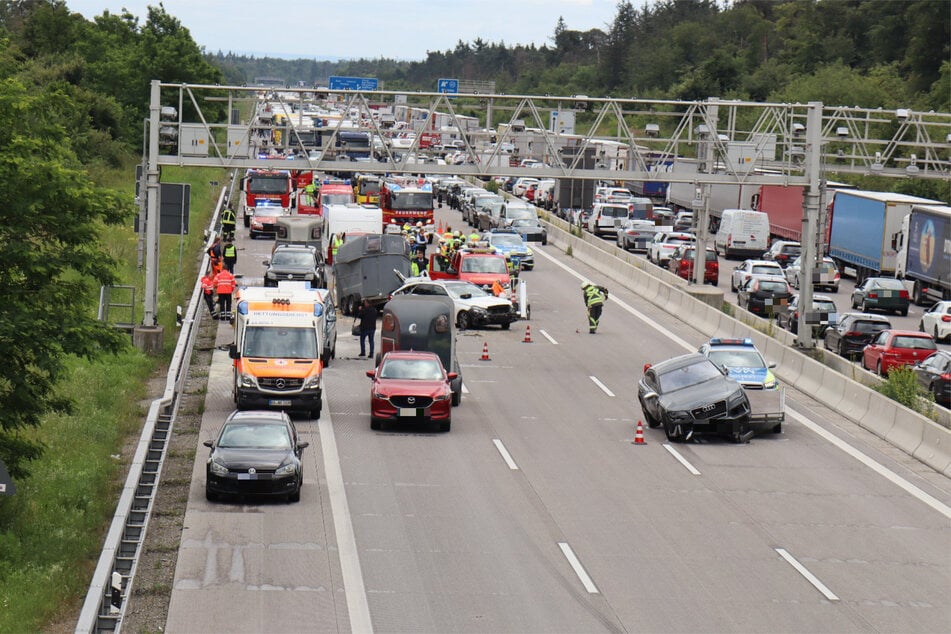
column 228, row 222
column 418, row 265
column 594, row 298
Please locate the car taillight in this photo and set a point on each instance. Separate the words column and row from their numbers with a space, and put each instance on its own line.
column 946, row 376
column 946, row 318
column 852, row 333
column 903, row 294
column 836, row 276
column 873, row 295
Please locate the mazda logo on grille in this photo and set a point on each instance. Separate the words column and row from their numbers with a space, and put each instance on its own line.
column 707, row 408
column 280, row 384
column 411, row 400
column 252, row 470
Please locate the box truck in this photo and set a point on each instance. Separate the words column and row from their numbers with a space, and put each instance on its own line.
column 924, row 253
column 864, row 230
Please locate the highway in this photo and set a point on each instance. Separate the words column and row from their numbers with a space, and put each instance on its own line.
column 537, row 513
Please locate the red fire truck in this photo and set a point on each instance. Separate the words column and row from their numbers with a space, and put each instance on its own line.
column 265, row 188
column 406, row 200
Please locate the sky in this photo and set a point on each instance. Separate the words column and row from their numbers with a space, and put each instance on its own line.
column 351, row 29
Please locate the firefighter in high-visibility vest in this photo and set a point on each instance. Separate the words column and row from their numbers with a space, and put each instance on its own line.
column 228, row 222
column 335, row 244
column 594, row 298
column 230, row 255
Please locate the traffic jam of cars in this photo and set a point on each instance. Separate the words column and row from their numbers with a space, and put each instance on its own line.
column 425, row 284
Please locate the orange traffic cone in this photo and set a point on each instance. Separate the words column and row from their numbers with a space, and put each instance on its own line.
column 485, row 352
column 439, row 228
column 639, row 434
column 528, row 334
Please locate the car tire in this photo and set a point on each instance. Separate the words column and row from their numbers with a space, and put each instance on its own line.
column 936, row 337
column 878, row 368
column 507, row 325
column 315, row 413
column 375, row 424
column 295, row 496
column 463, row 321
column 210, row 495
column 854, row 305
column 455, row 399
column 903, row 312
column 864, row 306
column 652, row 422
column 732, row 285
column 842, row 350
column 777, row 428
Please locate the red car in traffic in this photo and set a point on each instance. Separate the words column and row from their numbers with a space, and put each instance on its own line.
column 681, row 263
column 895, row 348
column 410, row 386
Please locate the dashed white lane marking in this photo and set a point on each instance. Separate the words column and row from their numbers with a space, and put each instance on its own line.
column 811, row 578
column 676, row 454
column 578, row 568
column 549, row 337
column 505, row 454
column 601, row 385
column 465, row 390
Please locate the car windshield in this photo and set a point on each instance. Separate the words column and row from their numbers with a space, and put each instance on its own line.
column 336, row 199
column 507, row 240
column 524, row 222
column 737, row 358
column 869, row 326
column 411, row 369
column 915, row 343
column 824, row 306
column 769, row 286
column 614, row 212
column 245, row 436
column 458, row 289
column 766, row 269
column 292, row 259
column 269, row 342
column 520, row 214
column 688, row 375
column 483, row 265
column 887, row 283
column 791, row 249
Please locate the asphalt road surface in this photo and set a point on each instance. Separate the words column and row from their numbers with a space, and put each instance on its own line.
column 537, row 513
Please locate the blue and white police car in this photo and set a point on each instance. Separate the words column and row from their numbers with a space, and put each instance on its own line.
column 509, row 243
column 744, row 363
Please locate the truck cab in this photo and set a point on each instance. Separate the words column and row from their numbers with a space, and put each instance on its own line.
column 481, row 266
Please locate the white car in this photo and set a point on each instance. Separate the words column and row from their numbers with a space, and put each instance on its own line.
column 828, row 274
column 748, row 268
column 521, row 185
column 936, row 321
column 664, row 244
column 472, row 305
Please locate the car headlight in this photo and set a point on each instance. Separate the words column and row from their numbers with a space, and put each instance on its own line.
column 678, row 415
column 443, row 397
column 478, row 310
column 217, row 468
column 286, row 470
column 270, row 275
column 247, row 380
column 736, row 398
column 312, row 381
column 770, row 383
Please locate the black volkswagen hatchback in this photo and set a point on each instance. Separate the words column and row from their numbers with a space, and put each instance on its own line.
column 256, row 453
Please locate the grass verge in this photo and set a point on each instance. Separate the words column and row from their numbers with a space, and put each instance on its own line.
column 51, row 531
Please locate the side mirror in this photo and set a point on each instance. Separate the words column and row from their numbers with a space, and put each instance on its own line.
column 452, row 376
column 302, row 445
column 209, row 443
column 771, row 365
column 266, row 263
column 647, row 366
column 371, row 373
column 233, row 351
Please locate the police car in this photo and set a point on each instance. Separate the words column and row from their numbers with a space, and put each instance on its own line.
column 743, row 362
column 509, row 243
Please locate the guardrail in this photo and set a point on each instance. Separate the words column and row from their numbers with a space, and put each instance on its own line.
column 112, row 580
column 834, row 381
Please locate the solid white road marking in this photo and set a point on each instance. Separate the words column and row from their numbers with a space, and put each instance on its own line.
column 878, row 468
column 578, row 568
column 806, row 422
column 357, row 606
column 505, row 454
column 549, row 337
column 601, row 385
column 681, row 459
column 465, row 390
column 811, row 578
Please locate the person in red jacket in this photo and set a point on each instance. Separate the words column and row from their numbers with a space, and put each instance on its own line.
column 224, row 286
column 208, row 291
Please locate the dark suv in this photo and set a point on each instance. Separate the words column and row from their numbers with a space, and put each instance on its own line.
column 853, row 332
column 296, row 262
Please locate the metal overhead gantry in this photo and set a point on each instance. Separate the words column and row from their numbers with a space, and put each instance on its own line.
column 724, row 142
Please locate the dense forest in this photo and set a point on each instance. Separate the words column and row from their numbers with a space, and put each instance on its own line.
column 869, row 53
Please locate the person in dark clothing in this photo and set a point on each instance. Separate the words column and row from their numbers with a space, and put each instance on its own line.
column 594, row 298
column 367, row 314
column 230, row 253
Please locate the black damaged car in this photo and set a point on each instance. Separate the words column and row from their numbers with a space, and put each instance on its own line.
column 690, row 395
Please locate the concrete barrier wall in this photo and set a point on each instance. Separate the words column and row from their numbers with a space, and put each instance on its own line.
column 835, row 382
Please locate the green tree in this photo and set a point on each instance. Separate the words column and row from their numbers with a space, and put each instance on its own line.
column 50, row 264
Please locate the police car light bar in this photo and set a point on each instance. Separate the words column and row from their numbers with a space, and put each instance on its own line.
column 718, row 341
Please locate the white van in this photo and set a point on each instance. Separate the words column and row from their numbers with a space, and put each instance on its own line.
column 742, row 234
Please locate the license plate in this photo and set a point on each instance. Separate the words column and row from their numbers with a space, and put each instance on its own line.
column 276, row 402
column 247, row 476
column 408, row 411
